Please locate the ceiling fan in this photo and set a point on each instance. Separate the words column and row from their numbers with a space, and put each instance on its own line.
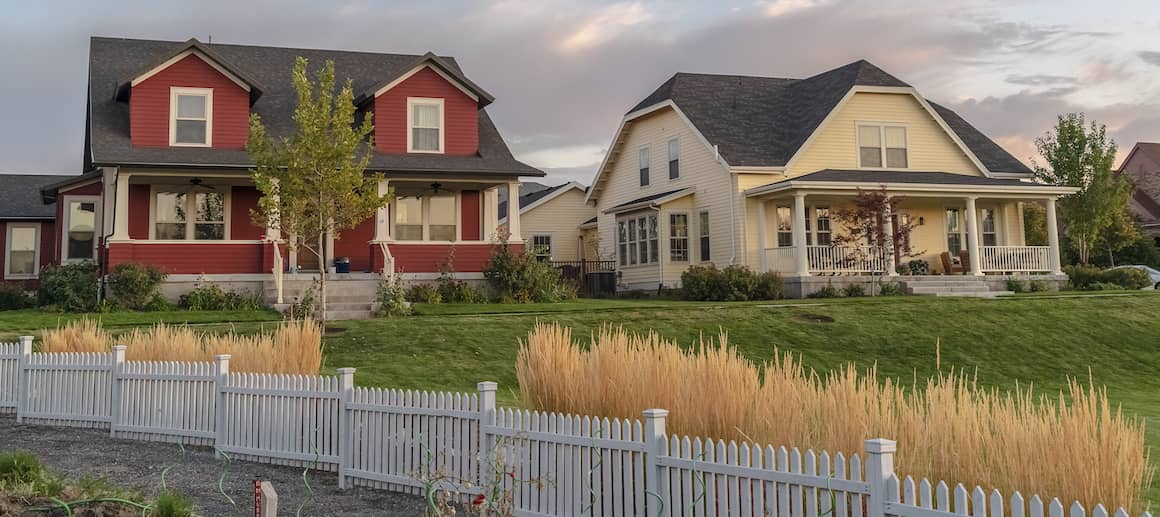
column 197, row 183
column 433, row 190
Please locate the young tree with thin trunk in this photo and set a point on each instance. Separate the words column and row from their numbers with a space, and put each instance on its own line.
column 314, row 182
column 1080, row 157
column 864, row 223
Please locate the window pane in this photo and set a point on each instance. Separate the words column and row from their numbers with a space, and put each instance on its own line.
column 191, row 106
column 211, row 206
column 170, row 231
column 704, row 235
column 644, row 158
column 869, row 136
column 442, row 214
column 954, row 238
column 82, row 220
column 408, row 219
column 190, row 132
column 542, row 246
column 895, row 137
column 784, row 227
column 678, row 237
column 674, row 160
column 423, row 139
column 209, row 231
column 22, row 250
column 425, row 115
column 895, row 158
column 870, row 156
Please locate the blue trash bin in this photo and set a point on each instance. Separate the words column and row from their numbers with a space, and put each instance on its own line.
column 342, row 265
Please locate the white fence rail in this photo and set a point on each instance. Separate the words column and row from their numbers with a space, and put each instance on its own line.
column 534, row 463
column 848, row 259
column 1015, row 259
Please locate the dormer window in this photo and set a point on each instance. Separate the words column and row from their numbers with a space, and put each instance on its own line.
column 425, row 125
column 882, row 146
column 191, row 113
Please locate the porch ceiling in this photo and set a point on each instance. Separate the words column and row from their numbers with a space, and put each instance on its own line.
column 927, row 182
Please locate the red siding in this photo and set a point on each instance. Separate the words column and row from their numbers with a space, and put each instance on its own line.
column 139, row 211
column 428, row 258
column 149, row 105
column 460, row 114
column 470, row 216
column 355, row 244
column 191, row 259
column 242, row 227
column 92, row 189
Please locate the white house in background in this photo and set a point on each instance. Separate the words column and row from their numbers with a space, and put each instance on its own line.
column 557, row 222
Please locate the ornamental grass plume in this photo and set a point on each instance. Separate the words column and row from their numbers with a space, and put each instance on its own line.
column 1072, row 445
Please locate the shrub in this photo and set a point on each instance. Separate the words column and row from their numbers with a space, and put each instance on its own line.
column 69, row 288
column 1039, row 286
column 891, row 289
column 917, row 267
column 392, row 299
column 172, row 504
column 133, row 286
column 1016, row 286
column 293, row 347
column 519, row 277
column 1126, row 277
column 13, row 297
column 210, row 297
column 829, row 291
column 854, row 291
column 948, row 426
column 20, row 467
column 424, row 293
column 1087, row 278
column 451, row 290
column 733, row 283
column 304, row 307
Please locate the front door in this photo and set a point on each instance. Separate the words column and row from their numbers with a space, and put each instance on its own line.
column 307, row 260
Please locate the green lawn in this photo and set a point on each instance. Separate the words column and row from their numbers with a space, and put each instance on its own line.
column 17, row 323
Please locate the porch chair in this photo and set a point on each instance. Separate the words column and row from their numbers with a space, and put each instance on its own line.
column 948, row 265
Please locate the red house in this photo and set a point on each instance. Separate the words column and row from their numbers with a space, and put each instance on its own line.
column 169, row 180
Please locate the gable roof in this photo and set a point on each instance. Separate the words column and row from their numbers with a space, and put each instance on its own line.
column 764, row 121
column 20, row 196
column 535, row 197
column 650, row 200
column 440, row 65
column 112, row 60
column 194, row 47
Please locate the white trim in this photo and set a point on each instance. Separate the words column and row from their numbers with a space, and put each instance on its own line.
column 1032, row 189
column 178, row 241
column 618, row 136
column 704, row 211
column 425, row 101
column 416, row 70
column 555, row 194
column 756, row 170
column 36, row 227
column 881, row 126
column 190, row 208
column 651, row 203
column 209, row 61
column 207, row 94
column 98, row 224
column 425, row 215
column 688, row 237
column 551, row 245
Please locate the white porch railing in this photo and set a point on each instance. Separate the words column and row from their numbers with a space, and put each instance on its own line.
column 848, row 259
column 780, row 260
column 1011, row 259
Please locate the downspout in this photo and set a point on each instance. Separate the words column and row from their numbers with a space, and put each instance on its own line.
column 732, row 216
column 104, row 262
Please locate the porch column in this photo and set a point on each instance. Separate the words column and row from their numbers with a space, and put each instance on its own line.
column 801, row 260
column 382, row 215
column 1053, row 238
column 973, row 237
column 888, row 230
column 514, row 212
column 490, row 213
column 121, row 208
column 328, row 261
column 761, row 236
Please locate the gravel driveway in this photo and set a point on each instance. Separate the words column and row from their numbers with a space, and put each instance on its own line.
column 132, row 463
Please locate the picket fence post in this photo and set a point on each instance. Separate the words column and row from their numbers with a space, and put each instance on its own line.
column 879, row 468
column 345, row 439
column 222, row 371
column 486, row 420
column 118, row 368
column 655, row 441
column 22, row 375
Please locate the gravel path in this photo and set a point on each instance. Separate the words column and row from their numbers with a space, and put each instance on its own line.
column 131, row 463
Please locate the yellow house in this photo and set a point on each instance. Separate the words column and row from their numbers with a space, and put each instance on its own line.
column 553, row 223
column 754, row 171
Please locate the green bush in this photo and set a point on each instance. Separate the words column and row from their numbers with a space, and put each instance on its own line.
column 854, row 291
column 424, row 293
column 133, row 286
column 172, row 504
column 734, row 283
column 1016, row 286
column 829, row 291
column 20, row 467
column 69, row 288
column 519, row 277
column 769, row 286
column 457, row 291
column 1126, row 277
column 1087, row 278
column 13, row 297
column 392, row 299
column 210, row 297
column 891, row 289
column 1039, row 286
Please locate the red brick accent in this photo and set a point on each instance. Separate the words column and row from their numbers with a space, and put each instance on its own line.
column 460, row 114
column 149, row 105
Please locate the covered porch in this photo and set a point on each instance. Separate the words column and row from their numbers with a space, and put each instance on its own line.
column 959, row 225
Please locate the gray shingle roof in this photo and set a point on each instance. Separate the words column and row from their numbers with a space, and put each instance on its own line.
column 20, row 196
column 645, row 199
column 529, row 193
column 112, row 60
column 763, row 121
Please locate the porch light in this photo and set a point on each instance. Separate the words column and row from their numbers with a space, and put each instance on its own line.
column 921, row 220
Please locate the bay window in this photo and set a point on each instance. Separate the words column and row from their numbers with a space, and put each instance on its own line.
column 171, row 211
column 637, row 240
column 22, row 252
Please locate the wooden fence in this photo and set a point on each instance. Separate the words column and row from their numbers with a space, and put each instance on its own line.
column 539, row 464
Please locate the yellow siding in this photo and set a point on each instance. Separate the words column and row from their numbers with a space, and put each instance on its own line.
column 561, row 218
column 699, row 170
column 836, row 145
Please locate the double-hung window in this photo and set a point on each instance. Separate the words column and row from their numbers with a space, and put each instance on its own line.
column 542, row 247
column 408, row 219
column 882, row 146
column 679, row 237
column 427, row 218
column 637, row 240
column 954, row 231
column 989, row 230
column 784, row 227
column 441, row 218
column 823, row 234
column 191, row 116
column 424, row 125
column 80, row 236
column 172, row 210
column 22, row 252
column 674, row 159
column 644, row 167
column 703, row 234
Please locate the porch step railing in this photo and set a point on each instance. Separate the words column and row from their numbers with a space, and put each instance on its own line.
column 1015, row 259
column 848, row 259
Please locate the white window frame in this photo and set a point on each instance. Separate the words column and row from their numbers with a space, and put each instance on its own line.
column 532, row 242
column 998, row 225
column 881, row 126
column 425, row 214
column 962, row 211
column 633, row 253
column 669, row 163
column 688, row 237
column 425, row 101
column 190, row 208
column 8, row 275
column 67, row 200
column 176, row 91
column 777, row 220
column 707, row 234
column 644, row 162
column 816, row 229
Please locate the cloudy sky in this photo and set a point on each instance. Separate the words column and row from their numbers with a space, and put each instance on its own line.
column 565, row 71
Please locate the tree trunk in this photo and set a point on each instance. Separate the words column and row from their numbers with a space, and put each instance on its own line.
column 322, row 277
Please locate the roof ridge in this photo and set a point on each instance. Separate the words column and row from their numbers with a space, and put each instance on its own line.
column 240, row 45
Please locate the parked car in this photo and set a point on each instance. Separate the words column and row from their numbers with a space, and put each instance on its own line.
column 1152, row 273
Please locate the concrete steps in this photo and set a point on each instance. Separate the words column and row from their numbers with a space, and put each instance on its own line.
column 967, row 286
column 348, row 297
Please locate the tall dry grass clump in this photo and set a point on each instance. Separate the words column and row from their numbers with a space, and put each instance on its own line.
column 293, row 347
column 1075, row 445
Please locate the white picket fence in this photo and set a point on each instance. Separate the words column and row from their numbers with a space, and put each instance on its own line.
column 543, row 464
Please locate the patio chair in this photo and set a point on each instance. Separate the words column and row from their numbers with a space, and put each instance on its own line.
column 965, row 261
column 948, row 265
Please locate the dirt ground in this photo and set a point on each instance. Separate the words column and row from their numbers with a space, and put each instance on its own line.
column 137, row 464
